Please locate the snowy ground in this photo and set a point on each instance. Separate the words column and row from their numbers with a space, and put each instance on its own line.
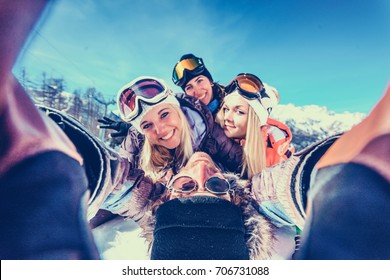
column 119, row 239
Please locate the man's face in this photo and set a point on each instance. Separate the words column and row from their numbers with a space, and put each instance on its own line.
column 198, row 170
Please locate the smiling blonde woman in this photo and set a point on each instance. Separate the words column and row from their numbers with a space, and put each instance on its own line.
column 244, row 116
column 167, row 129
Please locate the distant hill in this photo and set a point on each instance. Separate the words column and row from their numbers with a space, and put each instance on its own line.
column 312, row 122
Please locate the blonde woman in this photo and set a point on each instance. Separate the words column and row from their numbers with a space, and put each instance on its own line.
column 167, row 129
column 244, row 117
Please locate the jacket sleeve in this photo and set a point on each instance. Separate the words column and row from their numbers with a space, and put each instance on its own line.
column 224, row 150
column 130, row 148
column 276, row 196
column 133, row 197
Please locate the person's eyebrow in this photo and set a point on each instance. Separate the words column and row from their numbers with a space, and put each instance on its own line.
column 159, row 112
column 165, row 108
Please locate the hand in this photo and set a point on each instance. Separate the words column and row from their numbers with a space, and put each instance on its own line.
column 120, row 126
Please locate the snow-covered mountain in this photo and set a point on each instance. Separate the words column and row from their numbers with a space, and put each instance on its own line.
column 311, row 123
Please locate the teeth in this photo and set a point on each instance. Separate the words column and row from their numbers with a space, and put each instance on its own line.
column 169, row 135
column 201, row 97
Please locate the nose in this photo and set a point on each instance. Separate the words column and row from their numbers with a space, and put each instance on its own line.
column 201, row 172
column 228, row 116
column 158, row 128
column 198, row 89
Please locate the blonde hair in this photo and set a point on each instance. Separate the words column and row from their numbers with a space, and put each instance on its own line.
column 155, row 158
column 254, row 157
column 254, row 153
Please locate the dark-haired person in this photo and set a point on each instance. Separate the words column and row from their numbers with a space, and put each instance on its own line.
column 190, row 73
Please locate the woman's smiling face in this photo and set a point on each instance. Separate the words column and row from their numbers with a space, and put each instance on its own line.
column 201, row 88
column 162, row 126
column 235, row 116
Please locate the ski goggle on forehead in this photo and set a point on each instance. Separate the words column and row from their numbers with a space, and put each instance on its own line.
column 145, row 89
column 248, row 85
column 186, row 184
column 194, row 65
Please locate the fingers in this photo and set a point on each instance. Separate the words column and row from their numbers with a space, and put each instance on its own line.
column 106, row 120
column 117, row 134
column 104, row 126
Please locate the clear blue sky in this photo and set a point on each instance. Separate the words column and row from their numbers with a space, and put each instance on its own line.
column 331, row 53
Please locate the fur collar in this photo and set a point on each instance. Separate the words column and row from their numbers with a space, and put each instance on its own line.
column 259, row 230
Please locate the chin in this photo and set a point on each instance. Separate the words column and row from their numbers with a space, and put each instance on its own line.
column 228, row 133
column 173, row 143
column 206, row 100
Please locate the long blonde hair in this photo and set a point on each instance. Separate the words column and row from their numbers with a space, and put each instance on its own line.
column 254, row 153
column 155, row 158
column 254, row 157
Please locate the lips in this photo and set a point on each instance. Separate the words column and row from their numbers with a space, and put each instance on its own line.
column 229, row 127
column 202, row 97
column 168, row 136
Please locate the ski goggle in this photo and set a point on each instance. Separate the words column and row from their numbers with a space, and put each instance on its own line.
column 248, row 85
column 194, row 65
column 186, row 184
column 145, row 89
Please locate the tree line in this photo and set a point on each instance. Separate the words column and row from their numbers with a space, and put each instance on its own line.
column 84, row 105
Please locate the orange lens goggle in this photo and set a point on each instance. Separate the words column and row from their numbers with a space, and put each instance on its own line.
column 248, row 85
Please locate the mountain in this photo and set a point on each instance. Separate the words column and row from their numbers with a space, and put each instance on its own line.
column 312, row 123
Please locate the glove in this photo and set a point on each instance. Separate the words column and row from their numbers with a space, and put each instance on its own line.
column 120, row 126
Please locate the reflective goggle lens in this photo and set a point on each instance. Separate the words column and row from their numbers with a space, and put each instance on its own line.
column 148, row 90
column 248, row 85
column 186, row 184
column 188, row 64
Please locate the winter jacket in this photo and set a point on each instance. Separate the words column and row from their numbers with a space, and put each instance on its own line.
column 281, row 193
column 349, row 203
column 274, row 200
column 258, row 229
column 43, row 185
column 218, row 96
column 278, row 138
column 208, row 136
column 106, row 171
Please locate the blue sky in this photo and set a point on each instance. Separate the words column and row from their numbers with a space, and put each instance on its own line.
column 330, row 53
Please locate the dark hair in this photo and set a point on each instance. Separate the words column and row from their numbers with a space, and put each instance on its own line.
column 189, row 76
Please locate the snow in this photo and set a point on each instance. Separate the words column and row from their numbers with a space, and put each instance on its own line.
column 119, row 239
column 316, row 117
